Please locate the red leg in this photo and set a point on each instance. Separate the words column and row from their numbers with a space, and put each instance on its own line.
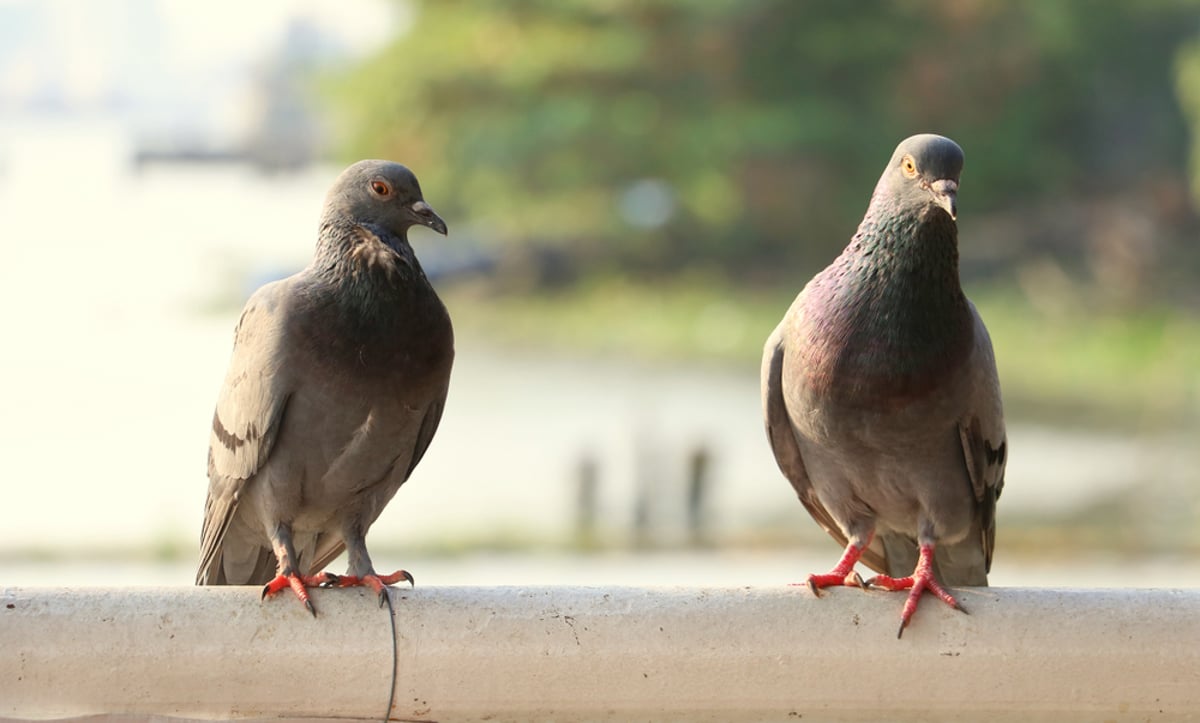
column 842, row 573
column 298, row 584
column 373, row 581
column 921, row 580
column 285, row 555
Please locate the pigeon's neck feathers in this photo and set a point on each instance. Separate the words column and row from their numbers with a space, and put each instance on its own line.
column 369, row 271
column 888, row 318
column 920, row 238
column 364, row 298
column 353, row 252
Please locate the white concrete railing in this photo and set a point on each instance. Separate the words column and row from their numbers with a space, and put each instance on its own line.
column 593, row 653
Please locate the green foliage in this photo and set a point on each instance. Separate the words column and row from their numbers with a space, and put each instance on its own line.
column 1069, row 363
column 767, row 120
column 693, row 316
column 1188, row 76
column 1133, row 368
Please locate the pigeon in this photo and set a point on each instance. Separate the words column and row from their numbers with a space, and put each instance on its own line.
column 335, row 388
column 881, row 398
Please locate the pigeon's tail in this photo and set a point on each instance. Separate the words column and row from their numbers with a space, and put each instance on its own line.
column 257, row 567
column 960, row 564
column 241, row 561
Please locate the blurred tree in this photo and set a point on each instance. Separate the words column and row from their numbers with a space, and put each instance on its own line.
column 746, row 135
column 1188, row 78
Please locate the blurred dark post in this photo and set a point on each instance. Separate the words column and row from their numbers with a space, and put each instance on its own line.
column 641, row 513
column 646, row 473
column 698, row 486
column 585, row 500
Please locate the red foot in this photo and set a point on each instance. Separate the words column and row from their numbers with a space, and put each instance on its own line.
column 375, row 582
column 842, row 574
column 299, row 586
column 921, row 580
column 834, row 578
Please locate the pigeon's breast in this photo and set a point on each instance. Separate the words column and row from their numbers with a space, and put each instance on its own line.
column 880, row 348
column 875, row 372
column 342, row 445
column 873, row 439
column 364, row 453
column 854, row 376
column 385, row 339
column 356, row 410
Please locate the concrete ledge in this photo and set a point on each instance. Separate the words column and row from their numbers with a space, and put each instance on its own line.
column 593, row 653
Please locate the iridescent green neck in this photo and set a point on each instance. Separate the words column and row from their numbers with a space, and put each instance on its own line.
column 889, row 316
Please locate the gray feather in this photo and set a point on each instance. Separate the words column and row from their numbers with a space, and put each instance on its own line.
column 880, row 392
column 334, row 391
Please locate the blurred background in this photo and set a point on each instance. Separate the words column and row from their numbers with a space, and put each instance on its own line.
column 635, row 192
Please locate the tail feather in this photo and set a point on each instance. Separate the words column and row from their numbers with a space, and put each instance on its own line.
column 256, row 566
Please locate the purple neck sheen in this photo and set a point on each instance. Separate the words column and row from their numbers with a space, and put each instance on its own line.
column 888, row 318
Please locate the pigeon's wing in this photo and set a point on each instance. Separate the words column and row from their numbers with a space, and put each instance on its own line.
column 787, row 450
column 429, row 425
column 249, row 410
column 984, row 442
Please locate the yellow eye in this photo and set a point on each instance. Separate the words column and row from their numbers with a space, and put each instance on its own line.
column 909, row 167
column 381, row 189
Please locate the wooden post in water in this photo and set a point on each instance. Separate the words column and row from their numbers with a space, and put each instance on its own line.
column 698, row 483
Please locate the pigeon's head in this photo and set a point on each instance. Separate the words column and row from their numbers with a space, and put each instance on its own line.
column 383, row 194
column 923, row 175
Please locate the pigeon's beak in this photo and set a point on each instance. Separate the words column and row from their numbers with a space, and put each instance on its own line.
column 945, row 194
column 426, row 217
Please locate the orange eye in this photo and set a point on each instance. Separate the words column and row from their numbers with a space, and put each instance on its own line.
column 381, row 189
column 909, row 167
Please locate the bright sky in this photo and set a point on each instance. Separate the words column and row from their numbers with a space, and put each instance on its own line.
column 148, row 53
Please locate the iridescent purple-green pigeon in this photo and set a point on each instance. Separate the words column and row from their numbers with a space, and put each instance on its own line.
column 334, row 391
column 881, row 397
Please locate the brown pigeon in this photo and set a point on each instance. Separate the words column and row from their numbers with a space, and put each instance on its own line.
column 335, row 389
column 881, row 396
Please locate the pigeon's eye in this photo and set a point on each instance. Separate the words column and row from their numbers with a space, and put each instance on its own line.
column 381, row 189
column 909, row 167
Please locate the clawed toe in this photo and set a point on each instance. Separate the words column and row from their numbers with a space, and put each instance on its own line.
column 890, row 584
column 378, row 583
column 843, row 573
column 298, row 585
column 328, row 580
column 396, row 577
column 922, row 580
column 833, row 579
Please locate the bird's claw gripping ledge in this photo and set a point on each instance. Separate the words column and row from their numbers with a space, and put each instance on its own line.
column 378, row 583
column 297, row 584
column 816, row 582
